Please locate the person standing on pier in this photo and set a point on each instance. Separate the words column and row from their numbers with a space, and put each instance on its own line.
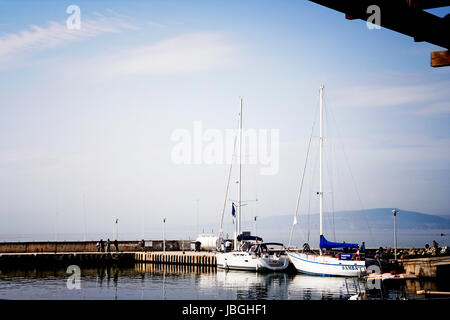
column 116, row 244
column 102, row 246
column 108, row 245
column 436, row 247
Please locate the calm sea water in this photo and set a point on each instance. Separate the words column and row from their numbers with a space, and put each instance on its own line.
column 148, row 281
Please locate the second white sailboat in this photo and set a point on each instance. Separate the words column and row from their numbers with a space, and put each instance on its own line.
column 249, row 253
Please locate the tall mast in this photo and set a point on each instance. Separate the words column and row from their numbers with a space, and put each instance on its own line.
column 240, row 177
column 240, row 173
column 321, row 162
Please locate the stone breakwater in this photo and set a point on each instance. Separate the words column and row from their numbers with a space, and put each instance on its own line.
column 90, row 246
column 64, row 259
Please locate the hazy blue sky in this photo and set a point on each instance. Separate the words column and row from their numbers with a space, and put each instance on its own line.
column 88, row 114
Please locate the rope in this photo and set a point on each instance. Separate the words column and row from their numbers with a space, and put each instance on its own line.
column 301, row 182
column 313, row 186
column 330, row 173
column 228, row 186
column 352, row 177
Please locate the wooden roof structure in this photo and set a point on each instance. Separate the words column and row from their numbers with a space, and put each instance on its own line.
column 405, row 16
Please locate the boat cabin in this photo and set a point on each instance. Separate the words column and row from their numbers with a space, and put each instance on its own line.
column 262, row 249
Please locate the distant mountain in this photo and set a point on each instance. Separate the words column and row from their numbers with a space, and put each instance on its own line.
column 375, row 219
column 375, row 226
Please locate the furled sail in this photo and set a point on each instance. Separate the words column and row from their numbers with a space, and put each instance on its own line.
column 325, row 244
column 242, row 237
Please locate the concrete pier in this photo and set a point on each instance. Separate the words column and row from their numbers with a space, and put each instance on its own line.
column 90, row 246
column 43, row 259
column 32, row 260
column 427, row 267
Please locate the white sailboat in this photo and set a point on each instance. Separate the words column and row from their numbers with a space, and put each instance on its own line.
column 257, row 258
column 346, row 265
column 249, row 253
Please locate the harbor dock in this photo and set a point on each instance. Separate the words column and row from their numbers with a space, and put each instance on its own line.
column 177, row 252
column 432, row 267
column 43, row 259
column 51, row 253
column 202, row 258
column 64, row 259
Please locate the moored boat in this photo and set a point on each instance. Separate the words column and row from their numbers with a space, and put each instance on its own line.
column 257, row 257
column 249, row 253
column 309, row 262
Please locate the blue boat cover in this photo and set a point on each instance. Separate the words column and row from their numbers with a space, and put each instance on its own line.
column 246, row 237
column 325, row 244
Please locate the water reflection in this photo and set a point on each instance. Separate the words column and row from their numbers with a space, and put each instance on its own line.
column 251, row 285
column 104, row 272
column 158, row 281
column 304, row 287
column 172, row 269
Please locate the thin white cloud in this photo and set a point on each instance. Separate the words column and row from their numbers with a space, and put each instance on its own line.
column 386, row 95
column 15, row 156
column 14, row 46
column 192, row 52
column 434, row 109
column 155, row 24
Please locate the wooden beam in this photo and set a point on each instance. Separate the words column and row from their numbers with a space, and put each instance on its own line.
column 427, row 4
column 440, row 59
column 399, row 16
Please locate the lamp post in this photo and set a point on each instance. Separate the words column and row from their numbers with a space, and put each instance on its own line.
column 395, row 233
column 198, row 205
column 164, row 235
column 116, row 231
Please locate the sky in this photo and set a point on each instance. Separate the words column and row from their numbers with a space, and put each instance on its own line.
column 89, row 116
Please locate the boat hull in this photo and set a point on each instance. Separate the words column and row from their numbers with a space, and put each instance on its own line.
column 326, row 266
column 246, row 261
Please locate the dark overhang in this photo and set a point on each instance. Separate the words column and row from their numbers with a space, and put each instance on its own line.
column 405, row 16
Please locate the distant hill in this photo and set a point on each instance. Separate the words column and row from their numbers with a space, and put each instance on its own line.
column 375, row 226
column 375, row 219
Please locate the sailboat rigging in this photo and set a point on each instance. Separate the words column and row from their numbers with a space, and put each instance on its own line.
column 250, row 252
column 344, row 264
